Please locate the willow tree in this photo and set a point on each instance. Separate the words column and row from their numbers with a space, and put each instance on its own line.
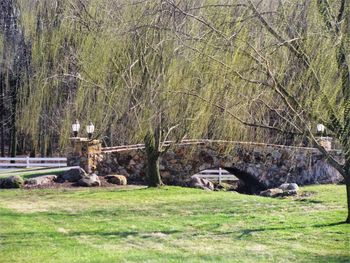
column 293, row 65
column 124, row 70
column 162, row 114
column 81, row 58
column 319, row 89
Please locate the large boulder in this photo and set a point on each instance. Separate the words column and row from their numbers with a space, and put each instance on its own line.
column 273, row 192
column 90, row 180
column 288, row 187
column 41, row 180
column 117, row 179
column 11, row 182
column 73, row 175
column 201, row 183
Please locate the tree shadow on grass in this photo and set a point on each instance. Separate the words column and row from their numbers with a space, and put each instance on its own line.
column 311, row 201
column 247, row 232
column 331, row 258
column 122, row 234
column 94, row 233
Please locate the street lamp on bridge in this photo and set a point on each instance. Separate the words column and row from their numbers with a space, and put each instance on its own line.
column 90, row 128
column 320, row 129
column 76, row 128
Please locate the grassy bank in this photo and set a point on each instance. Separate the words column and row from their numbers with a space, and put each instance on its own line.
column 172, row 225
column 26, row 173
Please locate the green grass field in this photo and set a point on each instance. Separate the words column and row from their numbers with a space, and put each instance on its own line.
column 172, row 224
column 26, row 173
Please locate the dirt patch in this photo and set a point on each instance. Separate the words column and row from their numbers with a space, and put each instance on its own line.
column 30, row 206
column 155, row 234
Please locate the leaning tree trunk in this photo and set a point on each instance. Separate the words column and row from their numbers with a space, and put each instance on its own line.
column 347, row 183
column 153, row 154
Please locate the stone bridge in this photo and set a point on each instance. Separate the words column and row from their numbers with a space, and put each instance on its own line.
column 263, row 164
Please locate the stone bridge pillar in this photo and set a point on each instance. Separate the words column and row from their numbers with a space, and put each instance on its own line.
column 83, row 152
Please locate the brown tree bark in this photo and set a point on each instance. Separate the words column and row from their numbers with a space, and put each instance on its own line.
column 347, row 183
column 2, row 115
column 153, row 154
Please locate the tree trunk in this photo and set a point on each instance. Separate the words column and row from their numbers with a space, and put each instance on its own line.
column 13, row 138
column 153, row 173
column 347, row 183
column 14, row 82
column 153, row 154
column 2, row 113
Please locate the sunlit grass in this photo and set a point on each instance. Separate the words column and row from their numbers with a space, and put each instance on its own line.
column 172, row 224
column 32, row 172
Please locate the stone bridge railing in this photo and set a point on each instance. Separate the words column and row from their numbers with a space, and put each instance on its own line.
column 269, row 164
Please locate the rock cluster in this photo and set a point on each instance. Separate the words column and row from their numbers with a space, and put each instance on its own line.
column 75, row 176
column 283, row 190
column 81, row 178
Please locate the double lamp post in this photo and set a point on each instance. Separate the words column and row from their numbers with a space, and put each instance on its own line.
column 90, row 128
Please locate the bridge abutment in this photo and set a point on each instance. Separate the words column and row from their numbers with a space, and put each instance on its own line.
column 84, row 153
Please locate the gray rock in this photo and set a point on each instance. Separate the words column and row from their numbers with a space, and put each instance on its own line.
column 14, row 181
column 74, row 175
column 41, row 180
column 201, row 183
column 273, row 192
column 226, row 187
column 289, row 192
column 287, row 186
column 117, row 179
column 90, row 180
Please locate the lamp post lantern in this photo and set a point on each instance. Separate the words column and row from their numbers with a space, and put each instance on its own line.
column 320, row 129
column 76, row 128
column 84, row 149
column 90, row 128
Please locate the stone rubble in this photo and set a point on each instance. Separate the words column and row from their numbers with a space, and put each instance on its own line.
column 285, row 189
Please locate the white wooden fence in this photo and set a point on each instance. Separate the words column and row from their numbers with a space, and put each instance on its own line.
column 217, row 175
column 32, row 162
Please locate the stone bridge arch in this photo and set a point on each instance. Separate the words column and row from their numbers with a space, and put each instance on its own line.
column 269, row 165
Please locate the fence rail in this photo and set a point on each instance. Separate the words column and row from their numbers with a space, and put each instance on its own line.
column 32, row 162
column 217, row 175
column 204, row 141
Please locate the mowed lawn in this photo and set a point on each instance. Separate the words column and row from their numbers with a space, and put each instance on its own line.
column 172, row 224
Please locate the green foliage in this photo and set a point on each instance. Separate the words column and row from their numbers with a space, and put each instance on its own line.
column 119, row 64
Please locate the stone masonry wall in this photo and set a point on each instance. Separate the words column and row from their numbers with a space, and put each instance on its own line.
column 271, row 165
